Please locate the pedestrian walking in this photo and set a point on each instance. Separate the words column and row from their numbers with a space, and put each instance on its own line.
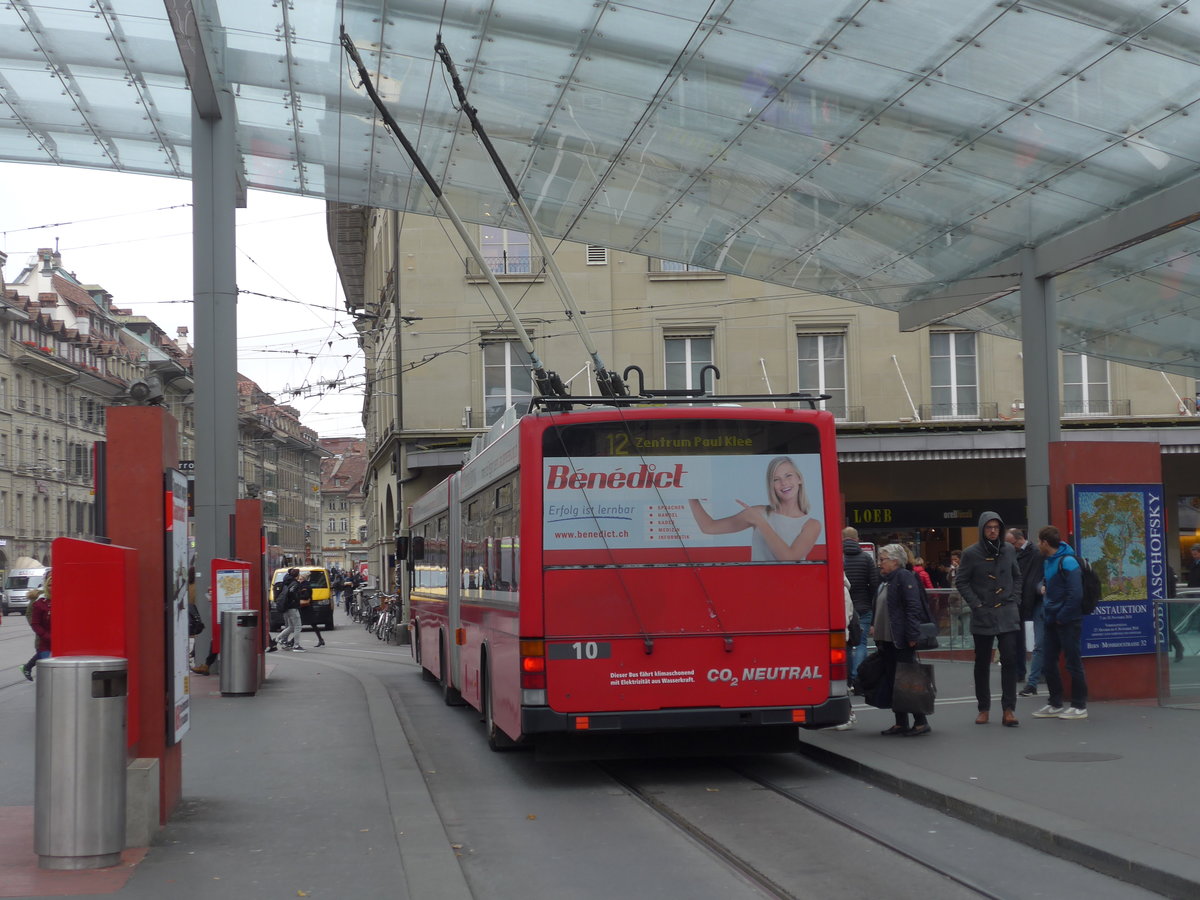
column 287, row 600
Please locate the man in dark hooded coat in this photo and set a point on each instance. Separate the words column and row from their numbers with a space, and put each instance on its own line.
column 989, row 581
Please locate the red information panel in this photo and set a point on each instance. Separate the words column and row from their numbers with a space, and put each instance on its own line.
column 230, row 590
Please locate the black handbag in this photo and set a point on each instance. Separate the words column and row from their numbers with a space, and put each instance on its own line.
column 914, row 690
column 870, row 671
column 927, row 636
column 854, row 630
column 875, row 681
column 195, row 623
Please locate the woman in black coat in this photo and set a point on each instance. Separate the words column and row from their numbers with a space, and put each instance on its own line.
column 898, row 614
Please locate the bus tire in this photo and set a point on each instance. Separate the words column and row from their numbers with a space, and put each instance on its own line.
column 497, row 740
column 450, row 694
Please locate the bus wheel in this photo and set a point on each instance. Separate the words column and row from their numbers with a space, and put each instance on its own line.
column 450, row 694
column 497, row 740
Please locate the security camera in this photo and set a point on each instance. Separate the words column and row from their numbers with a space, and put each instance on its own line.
column 146, row 391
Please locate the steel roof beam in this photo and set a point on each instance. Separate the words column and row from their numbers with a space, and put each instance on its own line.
column 1141, row 221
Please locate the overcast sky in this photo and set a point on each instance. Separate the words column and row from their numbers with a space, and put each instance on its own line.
column 131, row 235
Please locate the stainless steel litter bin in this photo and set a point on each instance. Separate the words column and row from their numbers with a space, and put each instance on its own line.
column 239, row 652
column 79, row 762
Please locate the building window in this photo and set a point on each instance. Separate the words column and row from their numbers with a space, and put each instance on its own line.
column 953, row 382
column 685, row 357
column 822, row 369
column 506, row 252
column 507, row 379
column 1085, row 386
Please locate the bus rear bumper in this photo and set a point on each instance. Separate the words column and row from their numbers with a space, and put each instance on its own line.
column 537, row 720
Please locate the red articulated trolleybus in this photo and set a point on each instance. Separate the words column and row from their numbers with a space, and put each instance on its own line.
column 631, row 570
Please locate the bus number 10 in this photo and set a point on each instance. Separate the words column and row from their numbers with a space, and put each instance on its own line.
column 588, row 650
column 581, row 650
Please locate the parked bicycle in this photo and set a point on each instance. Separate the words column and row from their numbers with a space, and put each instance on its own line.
column 388, row 625
column 370, row 609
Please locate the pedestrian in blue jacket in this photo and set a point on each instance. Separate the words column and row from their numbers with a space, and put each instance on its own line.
column 1062, row 588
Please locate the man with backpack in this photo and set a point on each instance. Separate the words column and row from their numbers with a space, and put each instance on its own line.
column 287, row 601
column 1062, row 609
column 863, row 576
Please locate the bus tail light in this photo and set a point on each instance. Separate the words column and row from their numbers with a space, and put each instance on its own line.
column 837, row 656
column 533, row 665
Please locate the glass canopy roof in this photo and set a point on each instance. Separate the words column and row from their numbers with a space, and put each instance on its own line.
column 885, row 152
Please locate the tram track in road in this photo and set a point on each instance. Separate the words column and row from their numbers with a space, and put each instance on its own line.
column 795, row 830
column 876, row 835
column 714, row 846
column 776, row 885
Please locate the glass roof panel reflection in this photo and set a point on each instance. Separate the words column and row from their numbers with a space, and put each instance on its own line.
column 877, row 150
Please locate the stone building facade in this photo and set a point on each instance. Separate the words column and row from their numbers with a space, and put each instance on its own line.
column 343, row 525
column 67, row 354
column 932, row 417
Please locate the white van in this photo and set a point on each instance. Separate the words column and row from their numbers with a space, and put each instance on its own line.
column 17, row 585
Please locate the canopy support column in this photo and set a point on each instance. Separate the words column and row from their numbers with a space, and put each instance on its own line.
column 214, row 278
column 1039, row 362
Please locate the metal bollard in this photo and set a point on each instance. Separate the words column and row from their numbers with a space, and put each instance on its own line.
column 239, row 652
column 79, row 764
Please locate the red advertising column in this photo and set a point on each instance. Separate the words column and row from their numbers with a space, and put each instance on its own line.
column 142, row 444
column 1124, row 677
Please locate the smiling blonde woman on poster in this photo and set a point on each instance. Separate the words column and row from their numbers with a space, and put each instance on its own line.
column 783, row 529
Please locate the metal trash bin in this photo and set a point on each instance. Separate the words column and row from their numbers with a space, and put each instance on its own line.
column 79, row 764
column 240, row 638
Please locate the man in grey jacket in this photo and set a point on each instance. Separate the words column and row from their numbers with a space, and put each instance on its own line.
column 989, row 581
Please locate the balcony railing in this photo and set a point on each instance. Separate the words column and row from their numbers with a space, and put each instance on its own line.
column 978, row 411
column 507, row 264
column 1095, row 409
